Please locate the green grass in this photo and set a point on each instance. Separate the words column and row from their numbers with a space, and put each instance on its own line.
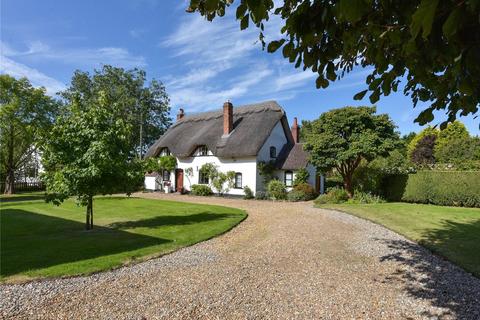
column 452, row 232
column 42, row 240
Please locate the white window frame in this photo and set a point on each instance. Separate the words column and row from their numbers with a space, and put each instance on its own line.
column 290, row 183
column 238, row 174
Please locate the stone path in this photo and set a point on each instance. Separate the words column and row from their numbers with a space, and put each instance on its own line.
column 285, row 261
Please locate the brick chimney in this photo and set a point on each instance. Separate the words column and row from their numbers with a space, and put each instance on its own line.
column 180, row 114
column 295, row 131
column 227, row 118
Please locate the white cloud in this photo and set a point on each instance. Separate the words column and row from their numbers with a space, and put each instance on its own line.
column 78, row 57
column 37, row 78
column 215, row 61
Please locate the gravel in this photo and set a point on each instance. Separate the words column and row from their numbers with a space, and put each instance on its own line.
column 286, row 260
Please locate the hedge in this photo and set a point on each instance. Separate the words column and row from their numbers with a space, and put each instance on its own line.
column 445, row 188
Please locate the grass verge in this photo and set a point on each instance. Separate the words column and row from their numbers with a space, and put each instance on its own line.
column 42, row 240
column 452, row 232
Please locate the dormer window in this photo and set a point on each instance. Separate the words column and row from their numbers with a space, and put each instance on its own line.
column 273, row 152
column 201, row 151
column 164, row 152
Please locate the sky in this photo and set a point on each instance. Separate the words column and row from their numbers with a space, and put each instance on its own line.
column 201, row 63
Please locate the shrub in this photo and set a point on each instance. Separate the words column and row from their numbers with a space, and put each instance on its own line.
column 305, row 191
column 368, row 179
column 365, row 197
column 334, row 195
column 301, row 176
column 261, row 195
column 277, row 190
column 201, row 190
column 445, row 188
column 333, row 180
column 248, row 193
column 295, row 196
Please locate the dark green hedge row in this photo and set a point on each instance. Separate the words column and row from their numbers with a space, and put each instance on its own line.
column 445, row 188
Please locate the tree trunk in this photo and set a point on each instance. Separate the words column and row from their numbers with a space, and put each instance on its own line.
column 10, row 178
column 9, row 182
column 89, row 217
column 348, row 185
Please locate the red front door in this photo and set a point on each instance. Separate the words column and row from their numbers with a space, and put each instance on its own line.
column 179, row 180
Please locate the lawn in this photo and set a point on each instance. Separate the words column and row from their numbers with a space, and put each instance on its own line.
column 451, row 232
column 42, row 240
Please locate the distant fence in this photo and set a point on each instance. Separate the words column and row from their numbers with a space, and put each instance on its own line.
column 25, row 186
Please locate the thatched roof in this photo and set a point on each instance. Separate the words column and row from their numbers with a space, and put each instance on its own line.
column 252, row 125
column 292, row 157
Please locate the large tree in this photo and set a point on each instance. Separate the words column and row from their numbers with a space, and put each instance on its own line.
column 144, row 107
column 25, row 113
column 432, row 45
column 341, row 138
column 89, row 151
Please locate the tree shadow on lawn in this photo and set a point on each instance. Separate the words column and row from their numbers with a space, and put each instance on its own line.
column 34, row 241
column 174, row 220
column 22, row 197
column 432, row 278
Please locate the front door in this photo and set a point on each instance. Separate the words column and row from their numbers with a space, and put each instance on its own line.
column 179, row 180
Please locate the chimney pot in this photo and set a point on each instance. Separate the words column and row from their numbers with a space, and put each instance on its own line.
column 227, row 117
column 295, row 131
column 180, row 114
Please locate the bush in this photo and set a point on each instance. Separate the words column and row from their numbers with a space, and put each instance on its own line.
column 301, row 176
column 365, row 197
column 333, row 180
column 248, row 193
column 201, row 190
column 302, row 192
column 261, row 195
column 368, row 179
column 334, row 195
column 277, row 190
column 445, row 188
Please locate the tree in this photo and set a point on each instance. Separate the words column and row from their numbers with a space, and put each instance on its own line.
column 341, row 138
column 454, row 131
column 146, row 108
column 89, row 151
column 423, row 155
column 462, row 152
column 25, row 113
column 433, row 45
column 412, row 145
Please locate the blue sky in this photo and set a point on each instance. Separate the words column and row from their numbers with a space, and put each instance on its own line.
column 201, row 63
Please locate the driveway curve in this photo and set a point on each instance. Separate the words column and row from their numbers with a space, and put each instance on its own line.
column 285, row 261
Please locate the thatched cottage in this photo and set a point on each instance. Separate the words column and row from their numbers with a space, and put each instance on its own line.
column 234, row 139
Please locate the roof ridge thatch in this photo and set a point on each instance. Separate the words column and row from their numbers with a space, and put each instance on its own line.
column 253, row 124
column 237, row 110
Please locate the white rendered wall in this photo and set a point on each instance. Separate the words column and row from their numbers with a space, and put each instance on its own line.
column 276, row 139
column 151, row 183
column 246, row 166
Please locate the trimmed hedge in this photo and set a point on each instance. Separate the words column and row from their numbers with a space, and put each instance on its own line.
column 445, row 188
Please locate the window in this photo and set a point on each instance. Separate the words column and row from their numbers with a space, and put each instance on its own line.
column 288, row 178
column 166, row 175
column 202, row 151
column 238, row 180
column 273, row 152
column 202, row 178
column 165, row 152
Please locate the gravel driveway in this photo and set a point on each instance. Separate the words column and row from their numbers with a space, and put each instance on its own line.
column 285, row 261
